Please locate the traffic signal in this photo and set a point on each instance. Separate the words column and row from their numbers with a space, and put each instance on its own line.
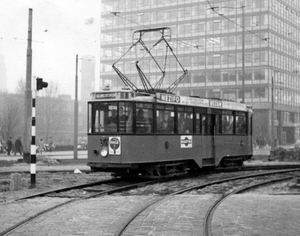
column 40, row 84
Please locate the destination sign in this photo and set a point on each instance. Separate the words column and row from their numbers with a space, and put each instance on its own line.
column 170, row 98
column 234, row 105
column 215, row 103
column 105, row 95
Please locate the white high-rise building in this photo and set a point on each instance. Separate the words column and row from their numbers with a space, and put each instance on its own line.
column 232, row 49
column 3, row 76
column 87, row 77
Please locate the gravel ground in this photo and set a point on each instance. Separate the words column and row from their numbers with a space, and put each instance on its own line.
column 287, row 187
column 45, row 181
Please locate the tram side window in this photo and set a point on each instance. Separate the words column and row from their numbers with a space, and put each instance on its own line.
column 218, row 124
column 249, row 123
column 111, row 118
column 198, row 123
column 206, row 124
column 204, row 128
column 201, row 121
column 227, row 124
column 90, row 124
column 185, row 120
column 209, row 124
column 165, row 119
column 144, row 118
column 241, row 123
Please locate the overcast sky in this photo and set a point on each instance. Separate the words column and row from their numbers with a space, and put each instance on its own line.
column 61, row 29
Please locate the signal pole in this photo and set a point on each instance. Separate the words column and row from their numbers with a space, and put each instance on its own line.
column 39, row 85
column 33, row 144
column 27, row 115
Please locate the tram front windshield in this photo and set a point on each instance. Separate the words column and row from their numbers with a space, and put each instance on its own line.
column 110, row 117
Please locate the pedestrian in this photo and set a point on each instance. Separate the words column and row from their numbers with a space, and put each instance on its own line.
column 18, row 146
column 9, row 146
column 1, row 146
column 41, row 146
column 51, row 147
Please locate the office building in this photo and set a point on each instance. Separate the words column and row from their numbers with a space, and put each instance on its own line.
column 234, row 49
column 87, row 77
column 3, row 77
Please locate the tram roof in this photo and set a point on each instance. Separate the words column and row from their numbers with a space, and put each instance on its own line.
column 168, row 98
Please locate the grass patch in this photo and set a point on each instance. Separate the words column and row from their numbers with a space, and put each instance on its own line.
column 5, row 163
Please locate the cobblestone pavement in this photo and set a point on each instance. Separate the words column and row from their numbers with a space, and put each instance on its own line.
column 253, row 215
column 15, row 212
column 246, row 214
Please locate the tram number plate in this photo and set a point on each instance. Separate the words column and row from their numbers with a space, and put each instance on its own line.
column 170, row 98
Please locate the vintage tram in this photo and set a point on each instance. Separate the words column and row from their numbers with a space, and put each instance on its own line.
column 161, row 134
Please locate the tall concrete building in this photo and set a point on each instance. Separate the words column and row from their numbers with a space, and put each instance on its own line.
column 3, row 77
column 234, row 49
column 87, row 77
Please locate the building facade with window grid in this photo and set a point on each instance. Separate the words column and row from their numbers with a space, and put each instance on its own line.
column 207, row 37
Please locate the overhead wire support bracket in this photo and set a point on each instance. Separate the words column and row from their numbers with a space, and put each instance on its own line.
column 138, row 39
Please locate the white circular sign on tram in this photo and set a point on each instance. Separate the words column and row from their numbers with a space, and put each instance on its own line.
column 114, row 145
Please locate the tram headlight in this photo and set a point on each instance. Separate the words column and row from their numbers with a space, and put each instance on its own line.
column 104, row 152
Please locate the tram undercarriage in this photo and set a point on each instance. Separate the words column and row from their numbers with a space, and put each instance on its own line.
column 163, row 170
column 234, row 161
column 148, row 170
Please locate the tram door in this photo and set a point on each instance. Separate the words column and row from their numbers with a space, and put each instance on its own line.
column 208, row 130
column 221, row 144
column 214, row 139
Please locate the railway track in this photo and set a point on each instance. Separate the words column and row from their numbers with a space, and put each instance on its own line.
column 208, row 218
column 209, row 214
column 111, row 186
column 116, row 186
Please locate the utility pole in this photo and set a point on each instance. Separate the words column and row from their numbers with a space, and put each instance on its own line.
column 76, row 112
column 27, row 115
column 272, row 115
column 243, row 53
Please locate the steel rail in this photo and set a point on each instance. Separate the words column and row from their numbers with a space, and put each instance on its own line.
column 210, row 212
column 108, row 181
column 118, row 189
column 134, row 215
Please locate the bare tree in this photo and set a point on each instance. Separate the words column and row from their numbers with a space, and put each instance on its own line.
column 47, row 108
column 9, row 119
column 21, row 86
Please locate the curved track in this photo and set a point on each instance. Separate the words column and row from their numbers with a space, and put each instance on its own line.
column 122, row 187
column 213, row 207
column 209, row 214
column 125, row 187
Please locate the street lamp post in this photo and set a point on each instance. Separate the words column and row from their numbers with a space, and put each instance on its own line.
column 272, row 114
column 28, row 96
column 76, row 112
column 243, row 53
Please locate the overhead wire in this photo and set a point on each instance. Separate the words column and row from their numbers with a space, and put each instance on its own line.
column 227, row 18
column 117, row 14
column 267, row 39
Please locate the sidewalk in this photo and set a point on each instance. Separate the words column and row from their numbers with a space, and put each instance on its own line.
column 65, row 162
column 82, row 154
